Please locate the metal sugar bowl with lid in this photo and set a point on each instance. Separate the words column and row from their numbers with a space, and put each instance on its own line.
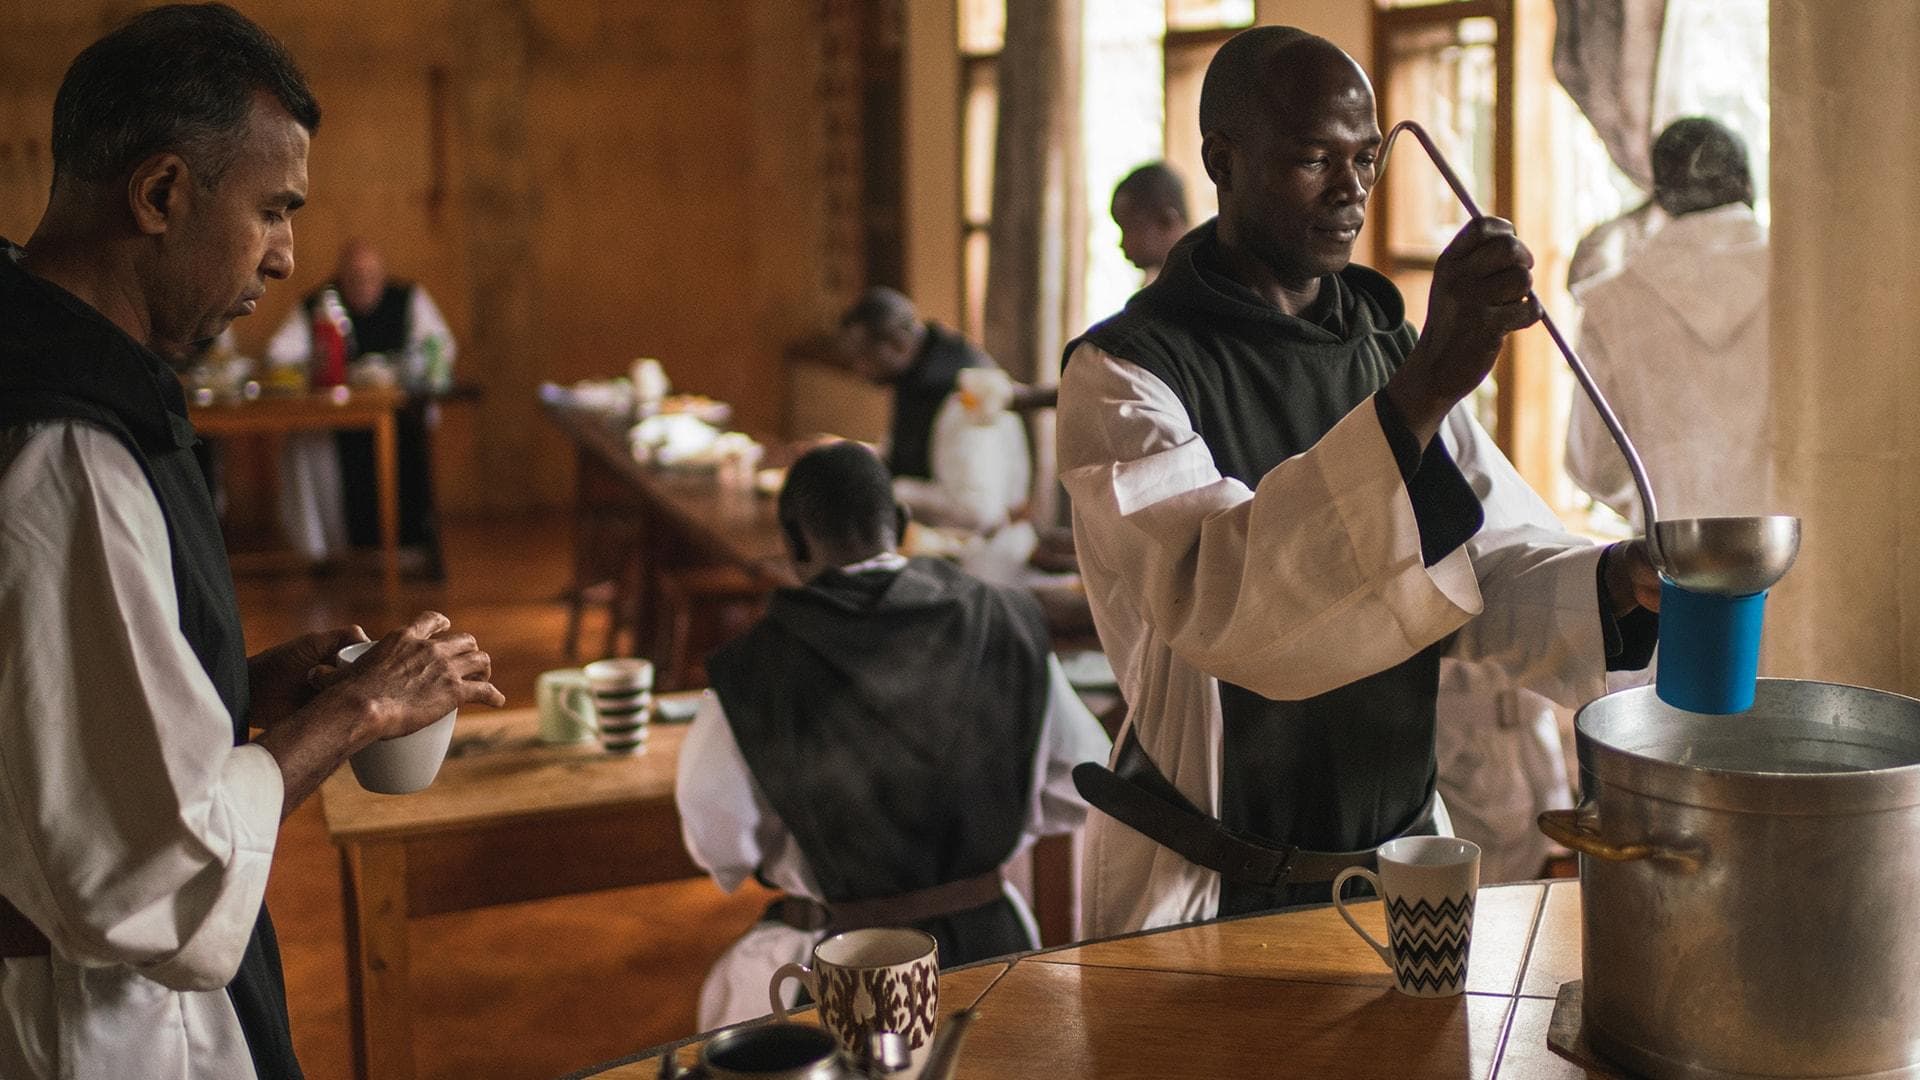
column 1750, row 884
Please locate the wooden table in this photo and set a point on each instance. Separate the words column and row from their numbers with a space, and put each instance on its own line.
column 729, row 523
column 645, row 537
column 1296, row 994
column 511, row 819
column 508, row 819
column 335, row 409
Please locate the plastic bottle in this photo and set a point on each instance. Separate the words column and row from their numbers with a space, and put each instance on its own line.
column 332, row 340
column 438, row 374
column 649, row 386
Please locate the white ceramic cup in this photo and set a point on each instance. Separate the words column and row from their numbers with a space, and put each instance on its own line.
column 403, row 764
column 867, row 981
column 1429, row 884
column 565, row 701
column 622, row 702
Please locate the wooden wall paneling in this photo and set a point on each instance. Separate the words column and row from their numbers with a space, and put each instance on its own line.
column 500, row 197
column 798, row 280
column 881, row 80
column 577, row 183
column 837, row 96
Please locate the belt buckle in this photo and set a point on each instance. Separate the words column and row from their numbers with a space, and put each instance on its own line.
column 1285, row 872
column 1280, row 874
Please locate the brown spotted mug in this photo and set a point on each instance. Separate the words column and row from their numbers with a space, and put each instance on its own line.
column 867, row 981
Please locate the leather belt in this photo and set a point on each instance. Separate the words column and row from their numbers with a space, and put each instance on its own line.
column 18, row 936
column 1139, row 796
column 906, row 909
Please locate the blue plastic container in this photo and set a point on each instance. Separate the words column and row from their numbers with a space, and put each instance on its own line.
column 1709, row 649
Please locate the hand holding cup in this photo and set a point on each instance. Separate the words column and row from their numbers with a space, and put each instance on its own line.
column 416, row 679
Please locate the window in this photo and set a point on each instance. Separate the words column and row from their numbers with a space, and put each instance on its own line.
column 983, row 31
column 1208, row 14
column 1713, row 62
column 1140, row 102
column 1122, row 119
column 1452, row 65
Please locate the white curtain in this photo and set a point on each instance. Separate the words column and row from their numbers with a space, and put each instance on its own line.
column 1607, row 54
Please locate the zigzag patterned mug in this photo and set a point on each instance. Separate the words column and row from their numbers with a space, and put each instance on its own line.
column 1428, row 883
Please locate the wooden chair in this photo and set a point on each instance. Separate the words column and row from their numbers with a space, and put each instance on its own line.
column 609, row 541
column 697, row 609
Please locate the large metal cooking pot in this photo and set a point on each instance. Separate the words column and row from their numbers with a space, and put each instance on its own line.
column 1751, row 884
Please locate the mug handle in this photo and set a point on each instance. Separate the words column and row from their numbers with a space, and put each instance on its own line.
column 577, row 703
column 791, row 971
column 1340, row 905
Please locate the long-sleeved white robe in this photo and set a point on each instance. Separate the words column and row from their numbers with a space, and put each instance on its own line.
column 1677, row 339
column 132, row 831
column 1309, row 581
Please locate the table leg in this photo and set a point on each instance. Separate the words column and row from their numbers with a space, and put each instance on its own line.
column 1056, row 889
column 386, row 457
column 373, row 879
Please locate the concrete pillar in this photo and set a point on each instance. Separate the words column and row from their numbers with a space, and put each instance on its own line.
column 1846, row 338
column 504, row 352
column 1033, row 271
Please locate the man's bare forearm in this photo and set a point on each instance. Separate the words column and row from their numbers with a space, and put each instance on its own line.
column 311, row 743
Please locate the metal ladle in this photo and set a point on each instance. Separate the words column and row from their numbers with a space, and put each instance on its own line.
column 1725, row 556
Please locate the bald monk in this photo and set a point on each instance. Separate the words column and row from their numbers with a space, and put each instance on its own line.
column 329, row 499
column 1285, row 520
column 1150, row 206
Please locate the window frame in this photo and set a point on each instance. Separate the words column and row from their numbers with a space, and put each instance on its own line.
column 1510, row 398
column 972, row 307
column 973, row 61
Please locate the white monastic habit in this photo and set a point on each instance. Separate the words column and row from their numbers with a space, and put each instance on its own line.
column 132, row 831
column 1501, row 762
column 1310, row 581
column 733, row 833
column 1678, row 342
column 311, row 509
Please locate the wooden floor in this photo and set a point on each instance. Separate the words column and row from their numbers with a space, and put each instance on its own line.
column 520, row 991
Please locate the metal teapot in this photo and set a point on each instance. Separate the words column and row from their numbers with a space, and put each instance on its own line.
column 781, row 1051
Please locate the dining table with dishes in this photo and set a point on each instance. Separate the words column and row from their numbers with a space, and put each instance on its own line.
column 642, row 511
column 668, row 485
column 1297, row 993
column 337, row 408
column 516, row 813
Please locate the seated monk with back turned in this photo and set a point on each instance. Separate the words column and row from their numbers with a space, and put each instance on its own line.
column 879, row 746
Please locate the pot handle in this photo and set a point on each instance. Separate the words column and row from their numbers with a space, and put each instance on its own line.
column 1579, row 829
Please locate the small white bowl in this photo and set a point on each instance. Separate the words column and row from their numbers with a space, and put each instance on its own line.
column 403, row 764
